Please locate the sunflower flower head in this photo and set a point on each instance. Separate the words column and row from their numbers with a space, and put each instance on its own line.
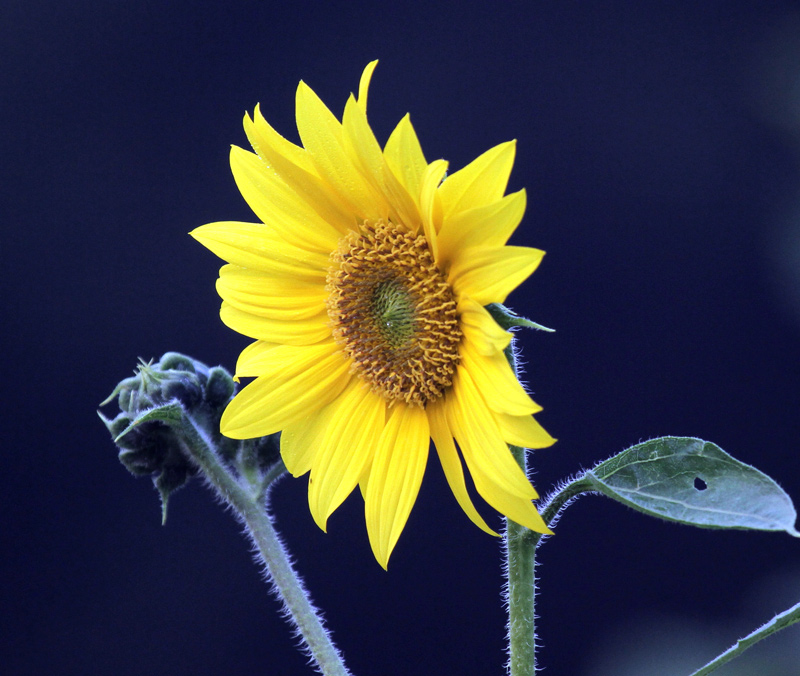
column 364, row 287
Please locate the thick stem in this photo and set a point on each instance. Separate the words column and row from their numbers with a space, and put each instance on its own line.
column 521, row 544
column 285, row 581
column 521, row 571
column 521, row 576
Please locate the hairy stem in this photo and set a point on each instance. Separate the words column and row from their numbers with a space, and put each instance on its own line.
column 560, row 499
column 286, row 582
column 520, row 543
column 521, row 584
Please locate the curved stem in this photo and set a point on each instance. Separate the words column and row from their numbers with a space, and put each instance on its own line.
column 286, row 582
column 559, row 499
column 273, row 473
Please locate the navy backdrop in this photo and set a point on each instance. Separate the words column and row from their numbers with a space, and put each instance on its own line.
column 659, row 144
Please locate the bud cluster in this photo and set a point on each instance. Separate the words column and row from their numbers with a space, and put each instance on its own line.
column 151, row 404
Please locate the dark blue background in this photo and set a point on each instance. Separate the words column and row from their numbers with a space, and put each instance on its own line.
column 659, row 145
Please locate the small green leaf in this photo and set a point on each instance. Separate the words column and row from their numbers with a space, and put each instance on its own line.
column 780, row 621
column 694, row 482
column 507, row 318
column 171, row 414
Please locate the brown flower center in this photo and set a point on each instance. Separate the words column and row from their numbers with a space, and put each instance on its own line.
column 393, row 313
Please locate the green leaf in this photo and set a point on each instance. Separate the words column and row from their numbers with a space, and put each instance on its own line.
column 694, row 482
column 507, row 318
column 780, row 621
column 171, row 414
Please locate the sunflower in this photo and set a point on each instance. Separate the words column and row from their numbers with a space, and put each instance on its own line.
column 364, row 288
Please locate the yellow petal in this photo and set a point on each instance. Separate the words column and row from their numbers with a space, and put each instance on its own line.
column 366, row 154
column 264, row 295
column 489, row 274
column 282, row 288
column 276, row 204
column 361, row 144
column 498, row 478
column 254, row 360
column 321, row 133
column 480, row 328
column 301, row 439
column 297, row 381
column 284, row 331
column 295, row 168
column 256, row 246
column 451, row 463
column 523, row 431
column 496, row 382
column 520, row 510
column 363, row 85
column 265, row 141
column 405, row 159
column 479, row 438
column 363, row 481
column 483, row 181
column 489, row 225
column 395, row 477
column 357, row 419
column 430, row 204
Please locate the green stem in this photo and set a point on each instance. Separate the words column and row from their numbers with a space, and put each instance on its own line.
column 276, row 562
column 521, row 544
column 782, row 620
column 552, row 506
column 521, row 572
column 520, row 553
column 273, row 473
column 521, row 576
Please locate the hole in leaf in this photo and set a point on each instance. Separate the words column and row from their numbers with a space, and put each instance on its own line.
column 699, row 484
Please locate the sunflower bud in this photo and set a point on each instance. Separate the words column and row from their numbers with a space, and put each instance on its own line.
column 153, row 403
column 266, row 451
